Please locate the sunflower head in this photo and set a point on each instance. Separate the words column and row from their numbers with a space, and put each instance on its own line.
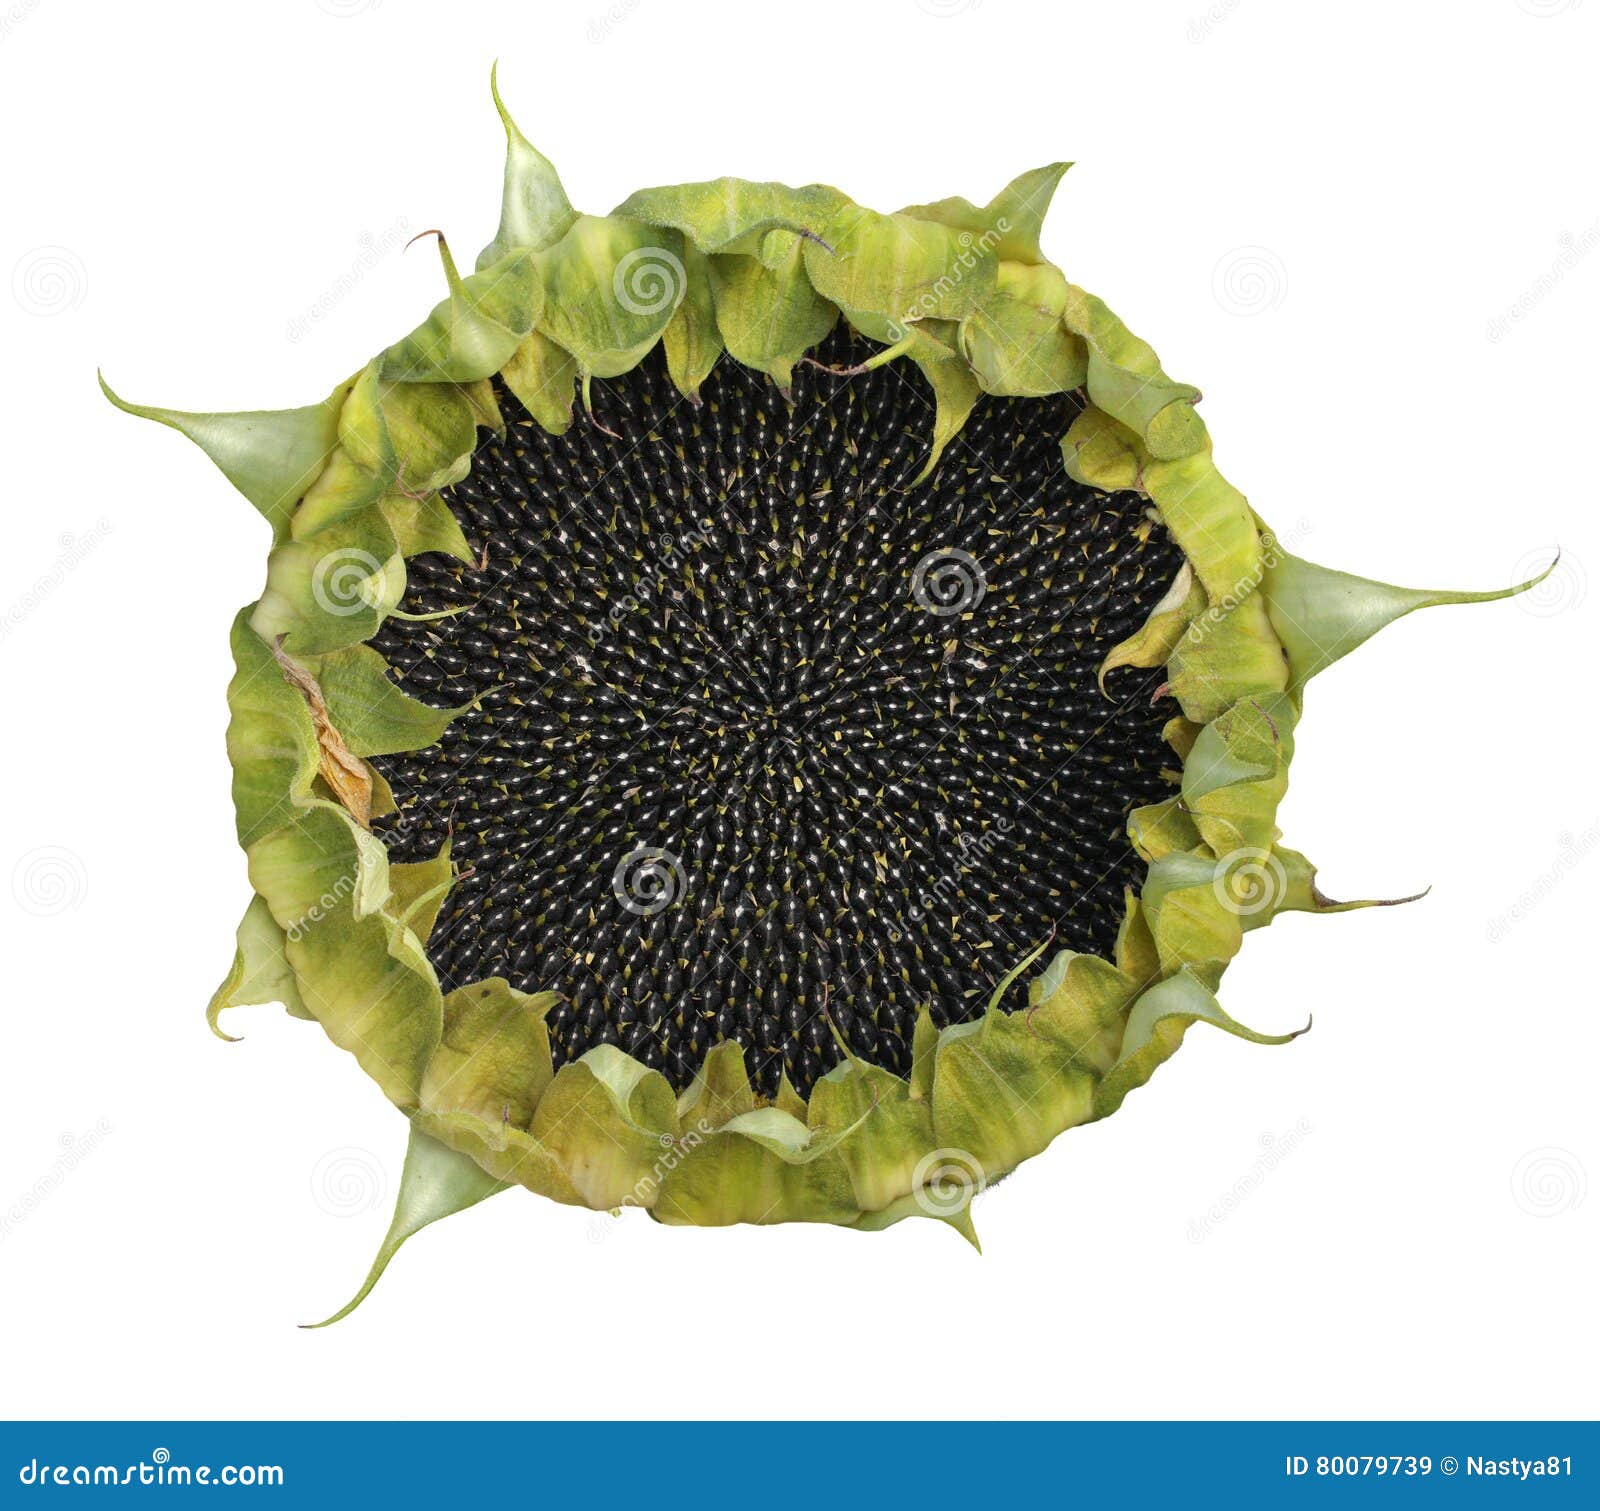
column 760, row 709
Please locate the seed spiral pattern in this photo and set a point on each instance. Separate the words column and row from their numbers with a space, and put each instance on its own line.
column 765, row 739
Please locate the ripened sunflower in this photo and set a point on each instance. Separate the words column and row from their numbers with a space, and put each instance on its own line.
column 805, row 779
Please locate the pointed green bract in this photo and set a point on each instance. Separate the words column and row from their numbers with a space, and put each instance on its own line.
column 1322, row 615
column 1012, row 220
column 260, row 970
column 435, row 1182
column 534, row 209
column 472, row 333
column 759, row 274
column 272, row 456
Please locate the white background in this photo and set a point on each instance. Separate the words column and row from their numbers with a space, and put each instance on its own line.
column 1368, row 231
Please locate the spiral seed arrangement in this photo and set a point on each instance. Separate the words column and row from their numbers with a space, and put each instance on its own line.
column 763, row 738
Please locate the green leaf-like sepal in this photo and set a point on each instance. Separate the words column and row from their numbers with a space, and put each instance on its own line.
column 472, row 333
column 1014, row 340
column 1125, row 379
column 435, row 1182
column 890, row 273
column 1237, row 773
column 369, row 710
column 768, row 315
column 1322, row 615
column 691, row 341
column 1156, row 1028
column 260, row 970
column 609, row 1122
column 542, row 376
column 1013, row 219
column 493, row 1058
column 270, row 456
column 733, row 215
column 534, row 211
column 1153, row 643
column 610, row 288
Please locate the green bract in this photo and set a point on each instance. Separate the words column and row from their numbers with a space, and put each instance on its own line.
column 756, row 274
